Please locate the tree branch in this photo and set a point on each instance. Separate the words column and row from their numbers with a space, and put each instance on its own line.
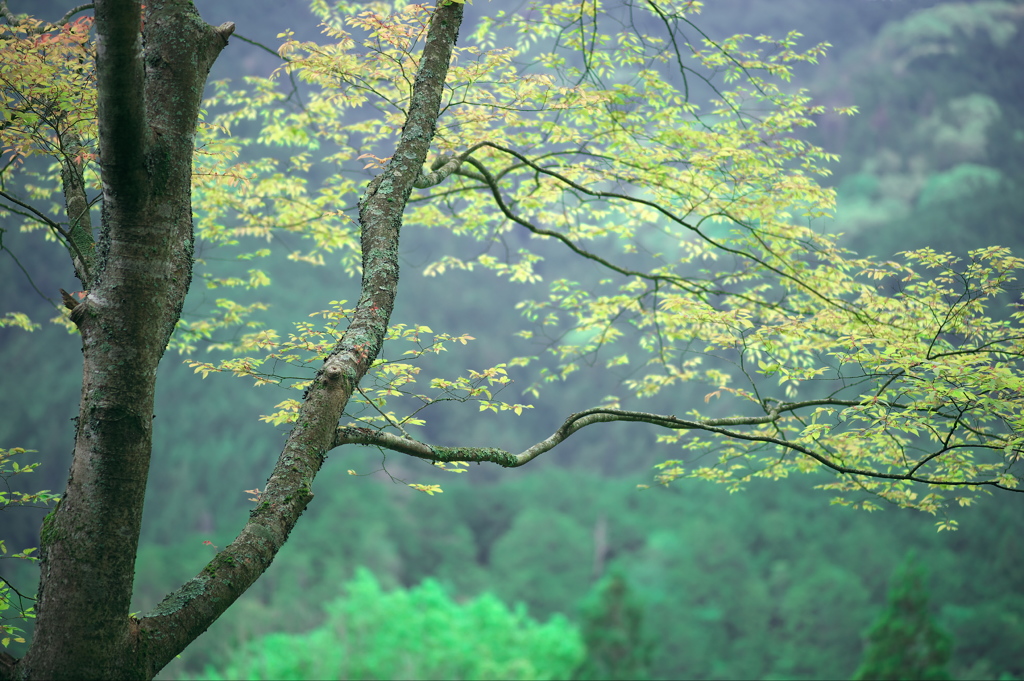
column 663, row 210
column 80, row 239
column 702, row 289
column 23, row 270
column 576, row 422
column 188, row 611
column 43, row 218
column 12, row 18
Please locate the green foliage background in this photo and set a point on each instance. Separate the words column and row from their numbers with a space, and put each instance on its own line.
column 417, row 634
column 904, row 642
column 769, row 583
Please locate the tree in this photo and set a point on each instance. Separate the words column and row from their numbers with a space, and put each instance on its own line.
column 417, row 634
column 617, row 647
column 896, row 376
column 905, row 642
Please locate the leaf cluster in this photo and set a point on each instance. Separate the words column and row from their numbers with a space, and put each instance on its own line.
column 47, row 85
column 304, row 350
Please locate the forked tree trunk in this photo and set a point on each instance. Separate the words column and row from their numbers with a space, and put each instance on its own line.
column 150, row 88
column 149, row 99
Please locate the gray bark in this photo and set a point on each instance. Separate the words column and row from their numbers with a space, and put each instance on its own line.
column 150, row 87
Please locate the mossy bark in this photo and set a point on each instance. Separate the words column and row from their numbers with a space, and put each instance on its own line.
column 149, row 92
column 150, row 86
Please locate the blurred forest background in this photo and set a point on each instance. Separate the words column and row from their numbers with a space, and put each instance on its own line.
column 565, row 567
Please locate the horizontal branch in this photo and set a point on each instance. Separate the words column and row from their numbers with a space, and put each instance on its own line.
column 36, row 214
column 14, row 20
column 724, row 426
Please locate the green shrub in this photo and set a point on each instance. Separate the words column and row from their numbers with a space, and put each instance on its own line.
column 420, row 633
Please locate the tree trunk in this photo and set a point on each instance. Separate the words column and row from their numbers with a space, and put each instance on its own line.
column 150, row 88
column 149, row 101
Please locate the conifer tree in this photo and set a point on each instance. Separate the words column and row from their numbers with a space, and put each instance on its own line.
column 612, row 623
column 906, row 642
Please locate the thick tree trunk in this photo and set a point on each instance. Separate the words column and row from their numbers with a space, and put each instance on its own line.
column 150, row 87
column 149, row 101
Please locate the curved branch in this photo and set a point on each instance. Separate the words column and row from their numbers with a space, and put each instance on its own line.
column 660, row 209
column 440, row 169
column 35, row 214
column 12, row 18
column 484, row 176
column 575, row 422
column 7, row 14
column 39, row 216
column 73, row 11
column 263, row 47
column 23, row 270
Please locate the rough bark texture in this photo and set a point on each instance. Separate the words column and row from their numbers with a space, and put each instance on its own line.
column 149, row 98
column 150, row 87
column 81, row 246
